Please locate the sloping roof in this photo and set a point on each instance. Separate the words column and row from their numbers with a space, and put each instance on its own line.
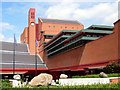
column 22, row 57
column 9, row 46
column 21, row 61
column 60, row 21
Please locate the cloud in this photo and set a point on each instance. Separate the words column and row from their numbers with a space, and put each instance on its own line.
column 101, row 13
column 6, row 39
column 6, row 26
column 6, row 32
column 1, row 37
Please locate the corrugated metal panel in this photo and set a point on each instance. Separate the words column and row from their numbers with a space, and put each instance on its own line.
column 96, row 31
column 18, row 47
column 102, row 27
column 89, row 38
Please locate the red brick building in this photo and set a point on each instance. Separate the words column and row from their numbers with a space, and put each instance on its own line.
column 66, row 45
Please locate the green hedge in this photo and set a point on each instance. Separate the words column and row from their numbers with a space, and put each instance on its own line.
column 96, row 75
column 113, row 67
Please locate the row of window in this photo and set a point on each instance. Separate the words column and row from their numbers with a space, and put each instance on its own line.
column 63, row 27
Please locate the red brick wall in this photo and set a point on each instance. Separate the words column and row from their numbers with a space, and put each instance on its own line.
column 55, row 28
column 69, row 58
column 32, row 39
column 99, row 51
column 24, row 36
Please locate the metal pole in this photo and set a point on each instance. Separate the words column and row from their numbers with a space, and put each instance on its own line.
column 35, row 59
column 14, row 59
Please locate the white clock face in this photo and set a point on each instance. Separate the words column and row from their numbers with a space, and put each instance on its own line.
column 32, row 24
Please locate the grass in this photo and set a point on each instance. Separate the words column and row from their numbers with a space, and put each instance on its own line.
column 96, row 75
column 7, row 86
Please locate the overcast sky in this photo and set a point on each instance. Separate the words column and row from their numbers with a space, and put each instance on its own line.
column 15, row 14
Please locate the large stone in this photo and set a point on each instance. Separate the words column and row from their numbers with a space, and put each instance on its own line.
column 17, row 77
column 43, row 79
column 103, row 75
column 63, row 76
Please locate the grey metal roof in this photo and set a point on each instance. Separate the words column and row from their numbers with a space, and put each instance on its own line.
column 60, row 21
column 9, row 46
column 22, row 58
column 22, row 61
column 96, row 31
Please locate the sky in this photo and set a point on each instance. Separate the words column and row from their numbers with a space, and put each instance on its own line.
column 14, row 13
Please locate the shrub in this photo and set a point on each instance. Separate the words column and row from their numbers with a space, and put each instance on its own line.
column 112, row 68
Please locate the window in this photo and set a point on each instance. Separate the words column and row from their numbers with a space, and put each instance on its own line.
column 32, row 16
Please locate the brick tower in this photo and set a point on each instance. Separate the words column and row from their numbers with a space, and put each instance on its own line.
column 31, row 30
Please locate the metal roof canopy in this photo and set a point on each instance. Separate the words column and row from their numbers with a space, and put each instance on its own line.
column 101, row 27
column 49, row 35
column 93, row 31
column 96, row 31
column 58, row 44
column 60, row 33
column 62, row 37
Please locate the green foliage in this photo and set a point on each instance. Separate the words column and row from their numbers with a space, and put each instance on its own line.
column 5, row 83
column 87, row 76
column 112, row 68
column 96, row 76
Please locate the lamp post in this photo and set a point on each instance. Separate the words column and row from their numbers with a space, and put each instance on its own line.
column 36, row 57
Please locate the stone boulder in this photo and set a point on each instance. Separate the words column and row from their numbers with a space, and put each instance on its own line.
column 63, row 76
column 43, row 79
column 103, row 75
column 17, row 77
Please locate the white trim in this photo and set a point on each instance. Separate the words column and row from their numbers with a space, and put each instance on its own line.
column 40, row 58
column 17, row 52
column 42, row 61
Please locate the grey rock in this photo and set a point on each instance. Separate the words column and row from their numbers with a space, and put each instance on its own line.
column 103, row 75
